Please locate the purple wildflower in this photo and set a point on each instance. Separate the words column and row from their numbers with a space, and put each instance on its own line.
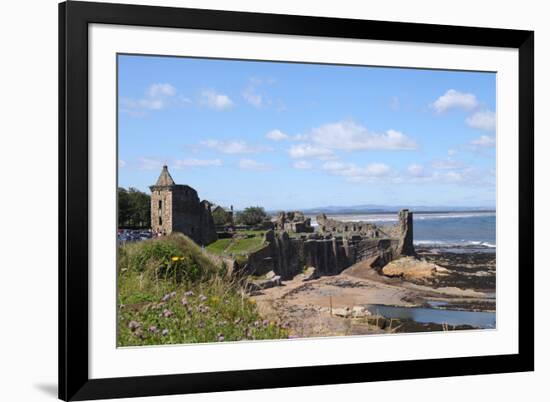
column 164, row 332
column 265, row 323
column 167, row 296
column 220, row 337
column 203, row 298
column 184, row 301
column 167, row 313
column 153, row 329
column 189, row 293
column 134, row 325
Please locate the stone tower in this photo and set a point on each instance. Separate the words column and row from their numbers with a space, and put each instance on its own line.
column 177, row 208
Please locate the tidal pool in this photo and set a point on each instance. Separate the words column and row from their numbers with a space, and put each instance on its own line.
column 479, row 319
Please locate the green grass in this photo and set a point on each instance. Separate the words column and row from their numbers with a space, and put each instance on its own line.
column 238, row 246
column 154, row 309
column 219, row 246
column 245, row 246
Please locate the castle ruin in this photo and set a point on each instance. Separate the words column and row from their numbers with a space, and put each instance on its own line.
column 177, row 208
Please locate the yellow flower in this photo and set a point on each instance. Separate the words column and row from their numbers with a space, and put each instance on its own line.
column 175, row 258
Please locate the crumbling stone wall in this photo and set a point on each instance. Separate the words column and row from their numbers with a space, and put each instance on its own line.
column 330, row 254
column 294, row 221
column 333, row 226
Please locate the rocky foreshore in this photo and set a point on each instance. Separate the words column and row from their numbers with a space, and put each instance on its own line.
column 345, row 304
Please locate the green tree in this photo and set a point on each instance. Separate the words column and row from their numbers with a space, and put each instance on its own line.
column 134, row 208
column 221, row 217
column 251, row 216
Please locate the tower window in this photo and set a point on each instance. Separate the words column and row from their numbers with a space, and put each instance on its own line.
column 160, row 204
column 160, row 220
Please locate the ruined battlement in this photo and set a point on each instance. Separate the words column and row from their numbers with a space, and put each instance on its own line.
column 294, row 222
column 332, row 251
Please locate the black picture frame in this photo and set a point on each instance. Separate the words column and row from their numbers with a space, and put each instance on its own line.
column 74, row 18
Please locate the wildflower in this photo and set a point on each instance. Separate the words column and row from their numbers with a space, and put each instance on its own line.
column 184, row 301
column 153, row 329
column 139, row 333
column 134, row 325
column 265, row 323
column 203, row 309
column 168, row 296
column 237, row 320
column 175, row 258
column 167, row 313
column 256, row 323
column 203, row 298
column 220, row 337
column 201, row 324
column 189, row 293
column 164, row 332
column 285, row 325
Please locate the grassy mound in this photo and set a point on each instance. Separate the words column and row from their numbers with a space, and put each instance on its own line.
column 246, row 242
column 170, row 292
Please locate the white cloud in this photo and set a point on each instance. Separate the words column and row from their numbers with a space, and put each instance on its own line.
column 484, row 120
column 352, row 172
column 299, row 151
column 251, row 96
column 416, row 170
column 150, row 164
column 233, row 147
column 454, row 99
column 157, row 96
column 251, row 164
column 302, row 165
column 121, row 163
column 197, row 163
column 216, row 100
column 277, row 135
column 447, row 164
column 452, row 152
column 484, row 141
column 350, row 136
column 158, row 90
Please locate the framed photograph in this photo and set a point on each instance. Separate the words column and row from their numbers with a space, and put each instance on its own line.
column 258, row 200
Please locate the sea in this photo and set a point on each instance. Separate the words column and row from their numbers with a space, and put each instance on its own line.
column 452, row 231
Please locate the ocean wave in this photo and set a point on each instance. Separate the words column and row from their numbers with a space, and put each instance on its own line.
column 450, row 243
column 387, row 218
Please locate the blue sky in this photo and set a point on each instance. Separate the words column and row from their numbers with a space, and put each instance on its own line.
column 291, row 136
